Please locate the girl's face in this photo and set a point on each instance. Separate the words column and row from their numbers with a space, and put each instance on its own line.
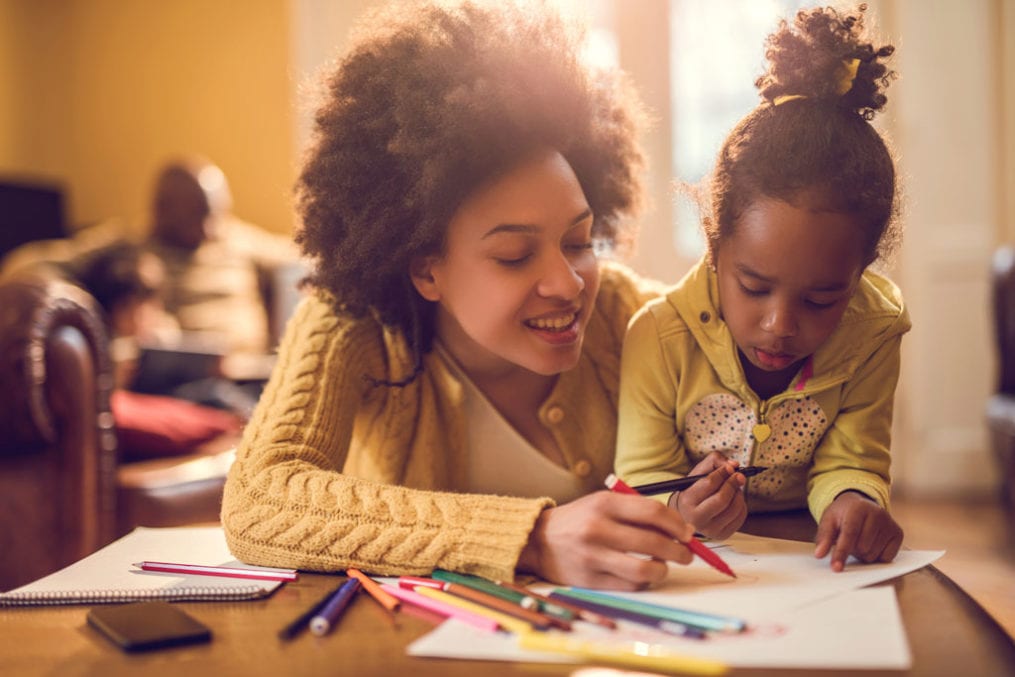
column 518, row 279
column 786, row 275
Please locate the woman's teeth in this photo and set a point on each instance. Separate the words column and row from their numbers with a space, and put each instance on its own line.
column 553, row 323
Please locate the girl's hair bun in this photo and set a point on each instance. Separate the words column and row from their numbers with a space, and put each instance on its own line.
column 813, row 57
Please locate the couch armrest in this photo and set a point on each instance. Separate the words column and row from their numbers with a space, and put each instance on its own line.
column 58, row 448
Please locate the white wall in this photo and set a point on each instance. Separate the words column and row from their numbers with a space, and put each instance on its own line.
column 946, row 123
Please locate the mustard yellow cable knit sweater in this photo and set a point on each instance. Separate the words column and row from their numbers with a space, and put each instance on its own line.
column 334, row 473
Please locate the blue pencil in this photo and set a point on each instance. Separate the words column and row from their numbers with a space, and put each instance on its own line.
column 327, row 618
column 615, row 613
column 698, row 619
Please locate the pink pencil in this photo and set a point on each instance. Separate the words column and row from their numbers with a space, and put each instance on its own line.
column 614, row 483
column 261, row 573
column 440, row 608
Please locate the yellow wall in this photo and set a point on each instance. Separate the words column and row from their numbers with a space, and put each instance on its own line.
column 129, row 84
column 33, row 106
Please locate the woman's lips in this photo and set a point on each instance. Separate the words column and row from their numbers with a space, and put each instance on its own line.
column 556, row 329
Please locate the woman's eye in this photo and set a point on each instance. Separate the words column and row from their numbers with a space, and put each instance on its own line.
column 512, row 262
column 579, row 247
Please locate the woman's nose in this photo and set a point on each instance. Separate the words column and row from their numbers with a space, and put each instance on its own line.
column 560, row 278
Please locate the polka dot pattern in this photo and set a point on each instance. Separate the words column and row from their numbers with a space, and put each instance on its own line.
column 722, row 422
column 797, row 427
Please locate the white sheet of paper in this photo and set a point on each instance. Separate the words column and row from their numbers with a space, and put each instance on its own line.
column 859, row 629
column 802, row 614
column 772, row 574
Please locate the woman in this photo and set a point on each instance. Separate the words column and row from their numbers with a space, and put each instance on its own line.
column 447, row 396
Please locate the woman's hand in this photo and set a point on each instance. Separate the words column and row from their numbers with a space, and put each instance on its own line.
column 715, row 505
column 590, row 542
column 855, row 525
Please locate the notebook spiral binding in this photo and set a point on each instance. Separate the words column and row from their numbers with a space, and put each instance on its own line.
column 183, row 594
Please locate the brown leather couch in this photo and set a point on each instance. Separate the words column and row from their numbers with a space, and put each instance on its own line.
column 63, row 490
column 1001, row 405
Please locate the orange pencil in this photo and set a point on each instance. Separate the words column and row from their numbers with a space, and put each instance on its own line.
column 374, row 590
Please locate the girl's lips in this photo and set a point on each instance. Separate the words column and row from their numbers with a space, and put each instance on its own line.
column 773, row 360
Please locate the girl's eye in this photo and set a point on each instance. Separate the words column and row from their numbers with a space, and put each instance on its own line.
column 752, row 292
column 820, row 305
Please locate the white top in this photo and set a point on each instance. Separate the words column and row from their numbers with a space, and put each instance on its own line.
column 501, row 461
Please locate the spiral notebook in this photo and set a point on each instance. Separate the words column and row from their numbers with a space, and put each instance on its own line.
column 108, row 575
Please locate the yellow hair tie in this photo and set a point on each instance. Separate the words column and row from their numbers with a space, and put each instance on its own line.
column 846, row 74
column 786, row 97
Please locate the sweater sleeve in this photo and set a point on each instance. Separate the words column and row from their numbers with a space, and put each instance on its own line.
column 855, row 452
column 287, row 502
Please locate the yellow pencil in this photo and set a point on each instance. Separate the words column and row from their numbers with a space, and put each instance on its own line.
column 627, row 654
column 507, row 622
column 374, row 590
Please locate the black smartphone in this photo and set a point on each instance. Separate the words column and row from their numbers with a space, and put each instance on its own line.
column 140, row 626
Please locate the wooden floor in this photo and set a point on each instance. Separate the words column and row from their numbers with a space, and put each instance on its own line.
column 979, row 539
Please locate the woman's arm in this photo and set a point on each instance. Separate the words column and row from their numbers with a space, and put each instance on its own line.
column 287, row 503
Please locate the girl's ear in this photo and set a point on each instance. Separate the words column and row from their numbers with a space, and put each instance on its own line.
column 422, row 277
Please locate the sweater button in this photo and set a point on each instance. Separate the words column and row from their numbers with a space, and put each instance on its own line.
column 582, row 468
column 555, row 414
column 705, row 316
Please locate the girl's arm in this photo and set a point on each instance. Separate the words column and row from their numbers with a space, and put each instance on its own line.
column 648, row 447
column 854, row 454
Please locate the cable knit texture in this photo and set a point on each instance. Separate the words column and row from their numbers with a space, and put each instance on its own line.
column 334, row 473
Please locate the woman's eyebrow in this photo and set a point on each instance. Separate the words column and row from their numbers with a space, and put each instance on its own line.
column 530, row 228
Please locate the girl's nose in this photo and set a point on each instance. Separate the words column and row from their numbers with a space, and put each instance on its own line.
column 560, row 279
column 780, row 320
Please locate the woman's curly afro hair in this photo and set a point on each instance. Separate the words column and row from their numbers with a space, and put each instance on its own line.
column 431, row 101
column 817, row 148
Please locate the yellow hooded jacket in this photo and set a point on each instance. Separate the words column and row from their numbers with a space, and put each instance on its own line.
column 684, row 394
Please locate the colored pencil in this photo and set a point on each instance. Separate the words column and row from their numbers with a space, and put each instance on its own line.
column 440, row 608
column 699, row 619
column 655, row 657
column 327, row 618
column 618, row 485
column 259, row 573
column 374, row 590
column 298, row 624
column 663, row 625
column 682, row 483
column 505, row 621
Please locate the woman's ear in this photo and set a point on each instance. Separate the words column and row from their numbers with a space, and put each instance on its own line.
column 421, row 273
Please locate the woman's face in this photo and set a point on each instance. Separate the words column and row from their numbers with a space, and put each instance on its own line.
column 518, row 279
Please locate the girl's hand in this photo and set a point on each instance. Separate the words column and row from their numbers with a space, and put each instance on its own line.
column 855, row 525
column 715, row 505
column 589, row 542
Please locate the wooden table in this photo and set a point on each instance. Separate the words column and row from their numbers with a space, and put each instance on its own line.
column 949, row 634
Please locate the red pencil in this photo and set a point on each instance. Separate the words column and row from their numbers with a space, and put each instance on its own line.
column 614, row 483
column 261, row 573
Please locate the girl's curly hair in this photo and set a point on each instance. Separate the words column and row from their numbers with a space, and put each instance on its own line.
column 817, row 147
column 431, row 101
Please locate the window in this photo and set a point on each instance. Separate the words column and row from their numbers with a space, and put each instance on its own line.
column 716, row 54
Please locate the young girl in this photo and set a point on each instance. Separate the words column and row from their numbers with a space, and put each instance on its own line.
column 781, row 348
column 447, row 396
